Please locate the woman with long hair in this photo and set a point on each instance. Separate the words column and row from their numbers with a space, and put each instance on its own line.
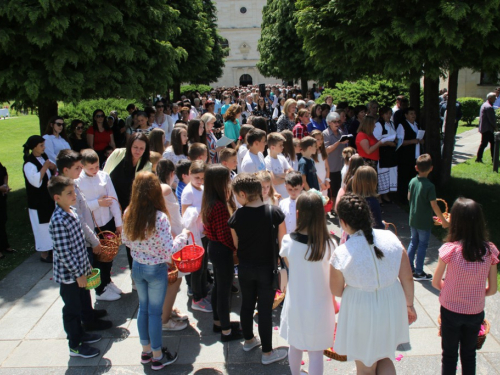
column 366, row 144
column 216, row 209
column 261, row 109
column 146, row 231
column 178, row 149
column 372, row 274
column 99, row 135
column 196, row 132
column 124, row 164
column 317, row 120
column 55, row 137
column 76, row 139
column 232, row 123
column 163, row 120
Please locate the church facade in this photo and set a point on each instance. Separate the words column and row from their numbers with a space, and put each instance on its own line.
column 239, row 23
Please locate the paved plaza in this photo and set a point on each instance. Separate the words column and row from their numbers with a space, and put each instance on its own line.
column 32, row 339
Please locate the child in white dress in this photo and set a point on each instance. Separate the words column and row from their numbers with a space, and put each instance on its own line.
column 373, row 319
column 320, row 161
column 308, row 316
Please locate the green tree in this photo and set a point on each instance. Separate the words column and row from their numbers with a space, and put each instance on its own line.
column 71, row 50
column 405, row 39
column 281, row 52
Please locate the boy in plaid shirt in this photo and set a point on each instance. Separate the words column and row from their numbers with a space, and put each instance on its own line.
column 71, row 266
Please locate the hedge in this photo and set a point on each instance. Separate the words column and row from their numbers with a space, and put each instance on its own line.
column 369, row 88
column 83, row 110
column 470, row 109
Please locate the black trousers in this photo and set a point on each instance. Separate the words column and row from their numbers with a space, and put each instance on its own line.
column 76, row 300
column 4, row 241
column 221, row 257
column 406, row 171
column 335, row 184
column 199, row 278
column 256, row 283
column 486, row 137
column 105, row 267
column 129, row 257
column 459, row 330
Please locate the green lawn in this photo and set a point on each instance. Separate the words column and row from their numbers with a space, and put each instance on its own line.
column 13, row 134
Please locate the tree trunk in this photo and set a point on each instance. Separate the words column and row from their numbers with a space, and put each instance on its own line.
column 46, row 110
column 432, row 123
column 450, row 128
column 176, row 87
column 415, row 98
column 303, row 86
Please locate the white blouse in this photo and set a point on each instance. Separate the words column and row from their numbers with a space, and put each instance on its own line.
column 53, row 145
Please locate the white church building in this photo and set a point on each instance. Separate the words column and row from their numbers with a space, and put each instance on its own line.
column 239, row 23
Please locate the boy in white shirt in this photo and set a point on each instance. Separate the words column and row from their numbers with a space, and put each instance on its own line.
column 192, row 196
column 294, row 186
column 102, row 201
column 276, row 163
column 253, row 161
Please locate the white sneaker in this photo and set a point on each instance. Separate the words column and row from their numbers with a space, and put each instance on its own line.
column 114, row 288
column 173, row 325
column 255, row 342
column 107, row 295
column 275, row 356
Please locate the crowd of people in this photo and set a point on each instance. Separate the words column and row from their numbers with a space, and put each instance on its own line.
column 246, row 174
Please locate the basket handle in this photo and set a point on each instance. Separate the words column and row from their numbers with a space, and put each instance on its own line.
column 445, row 204
column 194, row 243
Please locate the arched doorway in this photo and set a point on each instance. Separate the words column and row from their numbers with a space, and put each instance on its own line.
column 245, row 80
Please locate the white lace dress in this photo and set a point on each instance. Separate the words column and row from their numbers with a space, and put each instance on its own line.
column 373, row 319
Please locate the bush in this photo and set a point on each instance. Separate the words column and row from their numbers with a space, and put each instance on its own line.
column 369, row 88
column 201, row 88
column 83, row 110
column 470, row 109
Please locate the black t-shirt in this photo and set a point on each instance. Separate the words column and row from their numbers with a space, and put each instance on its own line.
column 253, row 228
column 117, row 134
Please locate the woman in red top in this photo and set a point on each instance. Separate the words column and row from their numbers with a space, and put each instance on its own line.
column 99, row 135
column 215, row 207
column 366, row 144
column 469, row 261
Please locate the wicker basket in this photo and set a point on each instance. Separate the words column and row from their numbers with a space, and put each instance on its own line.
column 110, row 242
column 94, row 279
column 330, row 353
column 278, row 298
column 480, row 338
column 387, row 225
column 445, row 213
column 173, row 273
column 189, row 258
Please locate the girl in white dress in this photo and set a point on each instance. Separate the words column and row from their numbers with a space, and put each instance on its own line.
column 320, row 161
column 376, row 307
column 308, row 315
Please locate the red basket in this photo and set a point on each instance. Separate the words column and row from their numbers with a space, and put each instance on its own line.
column 189, row 258
column 328, row 207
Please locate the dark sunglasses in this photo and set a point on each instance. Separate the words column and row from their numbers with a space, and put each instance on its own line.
column 79, row 128
column 160, row 106
column 59, row 123
column 99, row 116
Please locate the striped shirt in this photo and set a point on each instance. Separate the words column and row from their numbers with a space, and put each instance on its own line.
column 70, row 253
column 464, row 289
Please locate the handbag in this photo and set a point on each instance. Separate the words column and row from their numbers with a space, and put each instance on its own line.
column 274, row 239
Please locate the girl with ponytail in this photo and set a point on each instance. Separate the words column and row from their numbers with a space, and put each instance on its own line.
column 373, row 319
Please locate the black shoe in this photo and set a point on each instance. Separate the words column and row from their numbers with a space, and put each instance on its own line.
column 90, row 338
column 235, row 326
column 97, row 325
column 166, row 360
column 234, row 289
column 46, row 260
column 422, row 276
column 479, row 160
column 100, row 313
column 84, row 351
column 234, row 335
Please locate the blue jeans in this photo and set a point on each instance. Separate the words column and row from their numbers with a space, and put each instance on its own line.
column 419, row 242
column 151, row 283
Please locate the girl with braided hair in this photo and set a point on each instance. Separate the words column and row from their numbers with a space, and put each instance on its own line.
column 373, row 319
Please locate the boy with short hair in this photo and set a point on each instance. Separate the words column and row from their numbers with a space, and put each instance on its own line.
column 294, row 187
column 102, row 201
column 198, row 151
column 253, row 161
column 228, row 157
column 69, row 165
column 276, row 163
column 71, row 266
column 182, row 173
column 307, row 168
column 192, row 196
column 422, row 197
